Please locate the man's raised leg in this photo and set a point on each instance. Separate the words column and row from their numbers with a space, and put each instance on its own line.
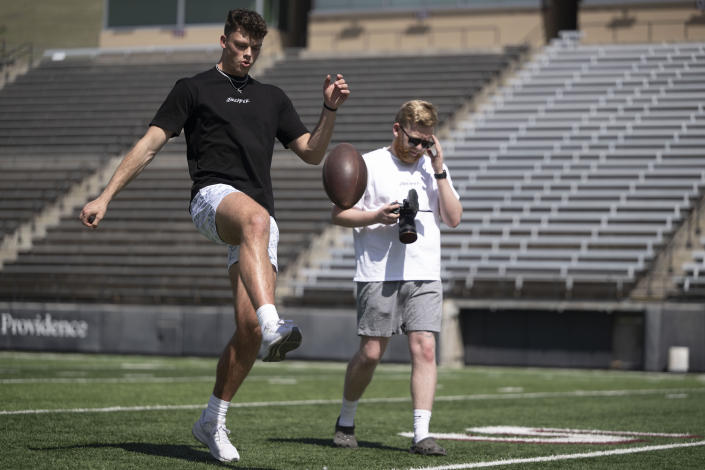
column 243, row 222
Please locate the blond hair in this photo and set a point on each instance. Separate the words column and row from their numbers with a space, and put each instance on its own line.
column 417, row 113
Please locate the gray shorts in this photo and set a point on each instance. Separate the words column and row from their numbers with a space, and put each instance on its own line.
column 203, row 207
column 387, row 308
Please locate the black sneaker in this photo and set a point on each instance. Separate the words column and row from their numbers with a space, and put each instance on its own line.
column 427, row 446
column 344, row 436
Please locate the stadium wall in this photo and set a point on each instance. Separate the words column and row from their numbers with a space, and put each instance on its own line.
column 207, row 35
column 476, row 28
column 626, row 336
column 50, row 24
column 79, row 23
column 329, row 334
column 609, row 335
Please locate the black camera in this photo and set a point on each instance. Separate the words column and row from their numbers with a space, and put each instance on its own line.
column 407, row 214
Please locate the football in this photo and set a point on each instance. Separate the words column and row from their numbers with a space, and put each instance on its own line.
column 344, row 175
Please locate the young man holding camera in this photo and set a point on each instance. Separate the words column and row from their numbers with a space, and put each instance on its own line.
column 398, row 274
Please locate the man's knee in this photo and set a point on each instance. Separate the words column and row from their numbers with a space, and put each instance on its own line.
column 248, row 334
column 428, row 354
column 368, row 358
column 241, row 219
column 257, row 225
column 423, row 346
column 371, row 353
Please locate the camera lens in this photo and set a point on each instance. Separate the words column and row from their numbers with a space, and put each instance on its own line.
column 407, row 236
column 407, row 214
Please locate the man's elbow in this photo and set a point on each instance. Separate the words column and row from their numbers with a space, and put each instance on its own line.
column 453, row 223
column 313, row 158
column 305, row 151
column 454, row 219
column 335, row 215
column 308, row 155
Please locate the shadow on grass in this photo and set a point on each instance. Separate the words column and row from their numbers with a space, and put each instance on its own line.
column 329, row 443
column 176, row 451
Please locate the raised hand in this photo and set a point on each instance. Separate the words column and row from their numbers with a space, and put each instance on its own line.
column 335, row 92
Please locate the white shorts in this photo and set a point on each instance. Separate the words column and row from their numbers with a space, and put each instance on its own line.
column 203, row 207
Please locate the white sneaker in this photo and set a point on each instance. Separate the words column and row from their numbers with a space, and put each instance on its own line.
column 215, row 436
column 278, row 339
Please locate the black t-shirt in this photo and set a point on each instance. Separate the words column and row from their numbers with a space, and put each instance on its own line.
column 230, row 135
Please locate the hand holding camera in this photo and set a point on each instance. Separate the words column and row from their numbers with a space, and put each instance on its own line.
column 407, row 213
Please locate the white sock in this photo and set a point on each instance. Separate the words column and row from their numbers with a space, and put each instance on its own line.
column 267, row 315
column 216, row 410
column 422, row 418
column 347, row 413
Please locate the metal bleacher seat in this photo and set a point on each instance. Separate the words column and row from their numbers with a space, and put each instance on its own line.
column 590, row 167
column 367, row 121
column 30, row 185
column 692, row 281
column 368, row 117
column 145, row 250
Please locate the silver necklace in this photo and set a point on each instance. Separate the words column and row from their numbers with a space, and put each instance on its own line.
column 242, row 84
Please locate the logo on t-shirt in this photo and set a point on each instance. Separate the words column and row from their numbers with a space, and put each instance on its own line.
column 237, row 100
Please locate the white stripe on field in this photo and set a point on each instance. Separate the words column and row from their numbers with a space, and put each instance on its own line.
column 336, row 401
column 149, row 378
column 620, row 433
column 109, row 409
column 107, row 380
column 554, row 458
column 142, row 378
column 567, row 439
column 540, row 435
column 576, row 393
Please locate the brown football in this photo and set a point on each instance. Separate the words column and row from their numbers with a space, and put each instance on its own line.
column 344, row 175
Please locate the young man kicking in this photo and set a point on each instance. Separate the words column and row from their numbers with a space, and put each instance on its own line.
column 230, row 121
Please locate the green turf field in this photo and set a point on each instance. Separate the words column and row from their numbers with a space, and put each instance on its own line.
column 87, row 411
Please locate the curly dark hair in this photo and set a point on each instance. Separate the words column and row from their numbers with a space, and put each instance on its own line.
column 250, row 21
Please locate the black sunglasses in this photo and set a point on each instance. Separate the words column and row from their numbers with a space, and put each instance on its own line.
column 427, row 144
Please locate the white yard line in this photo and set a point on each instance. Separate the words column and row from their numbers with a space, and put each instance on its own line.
column 149, row 378
column 576, row 393
column 554, row 458
column 539, row 435
column 106, row 380
column 336, row 401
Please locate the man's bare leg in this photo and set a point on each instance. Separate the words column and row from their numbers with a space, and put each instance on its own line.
column 358, row 376
column 422, row 347
column 240, row 353
column 242, row 221
column 234, row 365
column 362, row 366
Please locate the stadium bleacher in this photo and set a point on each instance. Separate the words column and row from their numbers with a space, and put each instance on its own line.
column 85, row 106
column 692, row 282
column 573, row 178
column 146, row 250
column 28, row 186
column 382, row 83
